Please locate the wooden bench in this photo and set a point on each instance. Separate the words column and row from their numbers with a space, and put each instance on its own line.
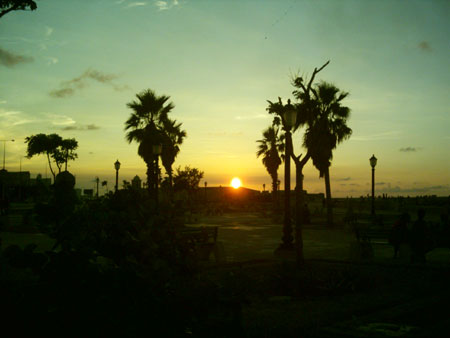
column 201, row 241
column 373, row 235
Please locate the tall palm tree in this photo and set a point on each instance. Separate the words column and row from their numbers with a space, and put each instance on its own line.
column 270, row 148
column 325, row 131
column 146, row 125
column 172, row 139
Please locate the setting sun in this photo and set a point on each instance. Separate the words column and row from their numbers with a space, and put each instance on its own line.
column 235, row 183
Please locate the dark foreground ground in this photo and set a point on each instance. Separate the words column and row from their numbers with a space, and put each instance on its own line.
column 331, row 296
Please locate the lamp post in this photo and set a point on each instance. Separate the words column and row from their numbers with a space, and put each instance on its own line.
column 97, row 180
column 4, row 150
column 206, row 184
column 373, row 163
column 289, row 118
column 156, row 149
column 117, row 167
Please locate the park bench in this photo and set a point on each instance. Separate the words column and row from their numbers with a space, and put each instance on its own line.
column 201, row 241
column 373, row 235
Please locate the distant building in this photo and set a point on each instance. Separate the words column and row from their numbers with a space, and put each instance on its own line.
column 12, row 184
column 45, row 181
column 216, row 194
column 78, row 192
column 88, row 193
column 136, row 182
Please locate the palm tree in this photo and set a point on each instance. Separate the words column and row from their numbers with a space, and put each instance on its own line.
column 173, row 138
column 145, row 126
column 325, row 131
column 270, row 148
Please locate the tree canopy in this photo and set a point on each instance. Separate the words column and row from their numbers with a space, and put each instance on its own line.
column 187, row 178
column 270, row 147
column 7, row 6
column 149, row 125
column 55, row 147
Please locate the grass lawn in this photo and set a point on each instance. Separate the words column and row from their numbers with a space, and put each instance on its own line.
column 329, row 297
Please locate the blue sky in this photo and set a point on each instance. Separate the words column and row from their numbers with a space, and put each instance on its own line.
column 70, row 67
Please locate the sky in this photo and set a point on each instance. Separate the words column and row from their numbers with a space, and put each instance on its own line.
column 70, row 67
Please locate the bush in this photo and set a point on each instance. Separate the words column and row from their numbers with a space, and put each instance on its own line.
column 116, row 269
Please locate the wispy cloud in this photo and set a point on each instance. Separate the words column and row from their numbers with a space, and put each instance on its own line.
column 48, row 31
column 165, row 5
column 68, row 88
column 9, row 59
column 52, row 60
column 10, row 119
column 136, row 4
column 87, row 127
column 425, row 46
column 418, row 190
column 343, row 179
column 409, row 149
column 59, row 120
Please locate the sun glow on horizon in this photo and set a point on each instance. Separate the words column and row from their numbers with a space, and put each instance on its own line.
column 235, row 182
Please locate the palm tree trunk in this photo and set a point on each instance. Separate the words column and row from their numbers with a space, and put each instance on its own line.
column 328, row 197
column 170, row 174
column 299, row 212
column 299, row 203
column 150, row 170
column 274, row 192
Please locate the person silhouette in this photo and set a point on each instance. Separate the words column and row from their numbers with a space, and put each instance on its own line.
column 418, row 238
column 399, row 232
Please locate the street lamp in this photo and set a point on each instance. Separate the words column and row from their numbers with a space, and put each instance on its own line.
column 97, row 180
column 117, row 167
column 4, row 150
column 156, row 150
column 289, row 118
column 373, row 163
column 206, row 184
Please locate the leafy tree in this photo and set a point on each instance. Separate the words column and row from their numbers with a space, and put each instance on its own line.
column 66, row 152
column 305, row 115
column 187, row 179
column 327, row 129
column 55, row 147
column 43, row 144
column 172, row 139
column 7, row 6
column 146, row 125
column 270, row 147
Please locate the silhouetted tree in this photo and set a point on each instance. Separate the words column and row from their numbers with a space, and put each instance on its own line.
column 173, row 137
column 187, row 178
column 7, row 6
column 146, row 126
column 305, row 115
column 270, row 147
column 55, row 147
column 66, row 152
column 327, row 129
